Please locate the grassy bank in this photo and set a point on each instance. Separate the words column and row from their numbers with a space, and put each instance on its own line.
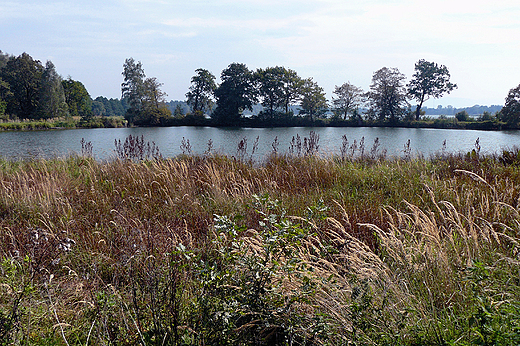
column 294, row 250
column 76, row 122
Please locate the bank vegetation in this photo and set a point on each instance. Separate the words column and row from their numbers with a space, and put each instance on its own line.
column 295, row 249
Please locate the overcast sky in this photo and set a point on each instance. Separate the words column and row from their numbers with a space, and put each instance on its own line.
column 333, row 41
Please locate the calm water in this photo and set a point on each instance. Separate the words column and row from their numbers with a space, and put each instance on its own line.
column 17, row 145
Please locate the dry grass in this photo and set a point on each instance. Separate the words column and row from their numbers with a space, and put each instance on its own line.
column 391, row 260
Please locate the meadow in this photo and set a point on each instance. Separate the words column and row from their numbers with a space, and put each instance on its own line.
column 295, row 249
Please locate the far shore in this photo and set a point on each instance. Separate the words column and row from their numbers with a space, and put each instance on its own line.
column 117, row 122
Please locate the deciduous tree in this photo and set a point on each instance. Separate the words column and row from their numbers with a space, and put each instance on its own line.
column 291, row 90
column 314, row 102
column 348, row 99
column 154, row 103
column 132, row 89
column 144, row 96
column 429, row 80
column 271, row 88
column 235, row 94
column 510, row 113
column 200, row 96
column 52, row 102
column 387, row 95
column 23, row 75
column 77, row 97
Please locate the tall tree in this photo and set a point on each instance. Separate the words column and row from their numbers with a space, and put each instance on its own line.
column 77, row 97
column 23, row 75
column 144, row 96
column 510, row 113
column 270, row 88
column 200, row 96
column 348, row 99
column 52, row 96
column 387, row 95
column 291, row 89
column 429, row 80
column 235, row 94
column 4, row 58
column 314, row 102
column 154, row 106
column 132, row 89
column 5, row 91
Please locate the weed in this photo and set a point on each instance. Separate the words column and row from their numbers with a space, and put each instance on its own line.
column 135, row 148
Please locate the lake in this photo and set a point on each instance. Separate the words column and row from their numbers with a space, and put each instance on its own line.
column 60, row 143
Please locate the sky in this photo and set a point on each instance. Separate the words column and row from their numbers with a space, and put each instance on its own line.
column 333, row 41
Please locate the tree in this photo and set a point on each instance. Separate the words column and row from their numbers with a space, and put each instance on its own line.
column 462, row 116
column 314, row 102
column 23, row 76
column 154, row 106
column 510, row 113
column 235, row 94
column 4, row 58
column 291, row 90
column 52, row 102
column 200, row 96
column 144, row 96
column 4, row 86
column 349, row 98
column 98, row 108
column 387, row 95
column 111, row 107
column 270, row 88
column 77, row 97
column 178, row 113
column 429, row 80
column 4, row 93
column 132, row 89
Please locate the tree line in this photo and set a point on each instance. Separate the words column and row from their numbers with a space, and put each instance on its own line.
column 31, row 90
column 273, row 96
column 278, row 90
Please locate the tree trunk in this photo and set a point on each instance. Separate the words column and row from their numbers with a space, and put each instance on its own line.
column 418, row 109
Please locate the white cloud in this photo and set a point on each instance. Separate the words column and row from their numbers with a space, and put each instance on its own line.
column 331, row 40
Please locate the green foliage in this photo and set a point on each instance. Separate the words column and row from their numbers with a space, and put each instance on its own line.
column 387, row 95
column 348, row 99
column 462, row 116
column 102, row 106
column 243, row 297
column 495, row 319
column 200, row 96
column 314, row 102
column 271, row 88
column 23, row 75
column 510, row 113
column 146, row 103
column 77, row 98
column 52, row 96
column 429, row 80
column 133, row 88
column 236, row 93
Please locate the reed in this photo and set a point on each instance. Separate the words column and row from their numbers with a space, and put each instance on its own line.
column 295, row 249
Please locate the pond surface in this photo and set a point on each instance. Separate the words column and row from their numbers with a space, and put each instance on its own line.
column 52, row 143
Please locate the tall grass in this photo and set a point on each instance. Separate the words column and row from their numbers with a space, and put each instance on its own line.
column 295, row 250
